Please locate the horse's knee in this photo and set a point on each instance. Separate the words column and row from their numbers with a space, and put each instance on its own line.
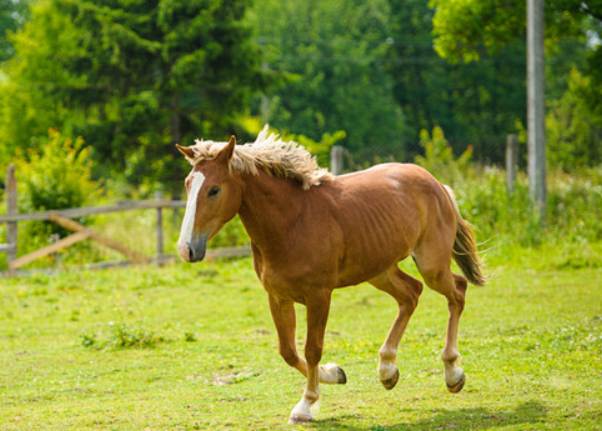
column 313, row 355
column 289, row 355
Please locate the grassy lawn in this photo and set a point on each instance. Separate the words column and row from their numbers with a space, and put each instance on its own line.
column 193, row 347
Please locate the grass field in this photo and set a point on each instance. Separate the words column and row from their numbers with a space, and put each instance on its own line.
column 193, row 347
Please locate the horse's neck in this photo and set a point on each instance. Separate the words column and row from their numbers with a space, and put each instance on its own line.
column 270, row 208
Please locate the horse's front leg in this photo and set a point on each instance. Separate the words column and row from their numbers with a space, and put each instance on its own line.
column 317, row 316
column 283, row 313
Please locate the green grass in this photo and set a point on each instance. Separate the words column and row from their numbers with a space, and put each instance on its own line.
column 193, row 347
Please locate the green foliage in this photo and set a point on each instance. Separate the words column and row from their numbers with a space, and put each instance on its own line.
column 330, row 61
column 321, row 148
column 439, row 158
column 474, row 103
column 120, row 336
column 465, row 30
column 135, row 77
column 475, row 30
column 12, row 15
column 573, row 134
column 58, row 175
column 574, row 206
column 132, row 77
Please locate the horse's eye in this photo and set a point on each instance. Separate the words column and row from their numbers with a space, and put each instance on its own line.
column 213, row 191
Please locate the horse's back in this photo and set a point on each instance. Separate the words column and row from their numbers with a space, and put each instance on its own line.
column 383, row 212
column 407, row 174
column 399, row 186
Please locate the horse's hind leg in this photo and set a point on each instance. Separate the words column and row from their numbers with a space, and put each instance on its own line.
column 406, row 291
column 438, row 276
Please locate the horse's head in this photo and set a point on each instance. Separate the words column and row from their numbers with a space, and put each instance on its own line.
column 214, row 197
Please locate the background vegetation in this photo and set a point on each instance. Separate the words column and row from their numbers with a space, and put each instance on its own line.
column 133, row 77
column 93, row 95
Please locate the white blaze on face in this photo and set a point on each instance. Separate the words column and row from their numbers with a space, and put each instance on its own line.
column 190, row 215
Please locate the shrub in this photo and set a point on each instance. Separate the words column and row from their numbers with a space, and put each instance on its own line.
column 59, row 176
column 320, row 149
column 439, row 157
column 573, row 132
column 572, row 215
column 121, row 336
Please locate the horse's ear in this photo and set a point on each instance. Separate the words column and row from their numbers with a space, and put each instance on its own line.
column 185, row 151
column 226, row 153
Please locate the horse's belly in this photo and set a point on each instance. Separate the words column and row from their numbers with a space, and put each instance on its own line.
column 361, row 267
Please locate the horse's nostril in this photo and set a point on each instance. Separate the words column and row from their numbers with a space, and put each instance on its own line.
column 196, row 249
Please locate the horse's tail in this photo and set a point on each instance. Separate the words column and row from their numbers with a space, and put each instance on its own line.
column 465, row 247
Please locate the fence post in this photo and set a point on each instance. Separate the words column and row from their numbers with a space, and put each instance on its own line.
column 159, row 197
column 511, row 161
column 336, row 159
column 11, row 209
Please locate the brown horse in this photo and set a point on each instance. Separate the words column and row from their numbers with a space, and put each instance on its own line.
column 312, row 233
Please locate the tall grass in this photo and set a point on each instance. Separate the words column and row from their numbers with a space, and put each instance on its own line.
column 573, row 210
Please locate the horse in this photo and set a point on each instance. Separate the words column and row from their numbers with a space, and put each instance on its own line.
column 312, row 232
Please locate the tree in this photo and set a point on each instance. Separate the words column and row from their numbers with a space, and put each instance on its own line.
column 573, row 139
column 471, row 30
column 12, row 16
column 330, row 61
column 474, row 103
column 130, row 76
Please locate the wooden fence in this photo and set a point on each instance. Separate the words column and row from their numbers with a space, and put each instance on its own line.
column 64, row 218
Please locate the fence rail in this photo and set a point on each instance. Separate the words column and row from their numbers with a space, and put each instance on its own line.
column 86, row 211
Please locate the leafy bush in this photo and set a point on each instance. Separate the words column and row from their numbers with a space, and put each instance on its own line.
column 59, row 176
column 320, row 149
column 573, row 133
column 439, row 157
column 572, row 215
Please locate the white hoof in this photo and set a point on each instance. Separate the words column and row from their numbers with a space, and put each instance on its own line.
column 332, row 374
column 455, row 379
column 303, row 412
column 386, row 371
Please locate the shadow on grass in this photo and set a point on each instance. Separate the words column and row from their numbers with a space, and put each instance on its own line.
column 459, row 419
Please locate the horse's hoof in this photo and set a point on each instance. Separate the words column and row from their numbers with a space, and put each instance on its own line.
column 391, row 382
column 332, row 374
column 457, row 387
column 297, row 419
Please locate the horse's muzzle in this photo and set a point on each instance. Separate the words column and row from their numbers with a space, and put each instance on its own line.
column 197, row 248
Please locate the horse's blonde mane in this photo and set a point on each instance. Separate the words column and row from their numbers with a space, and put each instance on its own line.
column 269, row 153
